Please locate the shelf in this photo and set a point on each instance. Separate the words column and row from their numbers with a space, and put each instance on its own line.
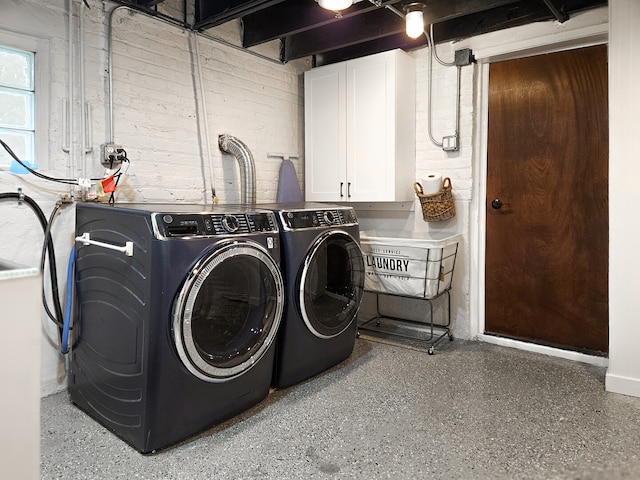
column 427, row 333
column 405, row 206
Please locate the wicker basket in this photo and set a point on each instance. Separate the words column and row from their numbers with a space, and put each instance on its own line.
column 437, row 206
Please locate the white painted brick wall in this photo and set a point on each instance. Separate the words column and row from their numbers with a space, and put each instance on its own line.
column 156, row 115
column 455, row 165
column 156, row 118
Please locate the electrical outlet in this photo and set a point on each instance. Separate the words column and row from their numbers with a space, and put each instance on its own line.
column 112, row 155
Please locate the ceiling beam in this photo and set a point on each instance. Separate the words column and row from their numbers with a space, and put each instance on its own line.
column 148, row 3
column 399, row 40
column 305, row 29
column 211, row 13
column 511, row 14
column 294, row 17
column 560, row 16
column 347, row 32
column 508, row 16
column 520, row 13
column 374, row 26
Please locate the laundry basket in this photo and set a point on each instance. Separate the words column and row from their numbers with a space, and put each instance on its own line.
column 437, row 206
column 411, row 264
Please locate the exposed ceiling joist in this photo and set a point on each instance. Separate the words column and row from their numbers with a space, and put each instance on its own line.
column 291, row 18
column 560, row 16
column 307, row 30
column 211, row 13
column 379, row 28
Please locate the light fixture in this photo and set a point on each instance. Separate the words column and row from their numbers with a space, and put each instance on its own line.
column 414, row 19
column 335, row 5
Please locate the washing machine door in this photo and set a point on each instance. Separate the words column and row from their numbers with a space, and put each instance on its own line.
column 227, row 313
column 331, row 284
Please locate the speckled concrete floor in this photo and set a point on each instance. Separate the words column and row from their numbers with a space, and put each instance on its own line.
column 471, row 411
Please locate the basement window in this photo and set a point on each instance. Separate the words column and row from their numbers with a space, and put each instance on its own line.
column 17, row 107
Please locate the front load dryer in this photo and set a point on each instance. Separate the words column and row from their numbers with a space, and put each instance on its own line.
column 176, row 333
column 324, row 281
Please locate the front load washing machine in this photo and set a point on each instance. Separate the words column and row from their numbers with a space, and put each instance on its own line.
column 324, row 281
column 177, row 333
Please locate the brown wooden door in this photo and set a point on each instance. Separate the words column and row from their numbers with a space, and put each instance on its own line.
column 547, row 244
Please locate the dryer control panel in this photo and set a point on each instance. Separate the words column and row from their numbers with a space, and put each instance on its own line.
column 172, row 225
column 300, row 219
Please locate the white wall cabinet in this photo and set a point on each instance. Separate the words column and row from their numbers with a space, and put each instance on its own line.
column 360, row 129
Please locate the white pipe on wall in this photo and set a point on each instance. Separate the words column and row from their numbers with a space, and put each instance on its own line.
column 70, row 85
column 205, row 119
column 83, row 119
column 109, row 136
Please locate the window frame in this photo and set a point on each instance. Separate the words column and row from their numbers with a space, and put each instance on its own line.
column 40, row 48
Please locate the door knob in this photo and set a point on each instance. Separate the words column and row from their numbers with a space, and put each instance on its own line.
column 497, row 203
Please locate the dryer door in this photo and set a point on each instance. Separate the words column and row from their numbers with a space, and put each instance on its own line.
column 228, row 311
column 331, row 284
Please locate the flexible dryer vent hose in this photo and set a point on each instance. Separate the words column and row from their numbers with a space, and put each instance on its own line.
column 235, row 147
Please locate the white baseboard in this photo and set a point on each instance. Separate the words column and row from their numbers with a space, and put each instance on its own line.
column 553, row 352
column 624, row 385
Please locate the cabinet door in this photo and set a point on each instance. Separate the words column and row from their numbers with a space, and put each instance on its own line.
column 360, row 129
column 325, row 133
column 371, row 84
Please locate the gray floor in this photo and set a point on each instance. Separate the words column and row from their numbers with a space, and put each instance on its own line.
column 472, row 411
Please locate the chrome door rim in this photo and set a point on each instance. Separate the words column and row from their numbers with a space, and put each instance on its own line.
column 303, row 307
column 183, row 310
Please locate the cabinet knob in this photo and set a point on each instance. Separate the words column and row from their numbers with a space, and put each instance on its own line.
column 341, row 185
column 348, row 189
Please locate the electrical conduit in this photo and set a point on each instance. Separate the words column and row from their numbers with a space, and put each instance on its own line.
column 70, row 85
column 205, row 120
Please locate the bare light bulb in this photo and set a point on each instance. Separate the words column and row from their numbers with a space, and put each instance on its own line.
column 414, row 23
column 335, row 5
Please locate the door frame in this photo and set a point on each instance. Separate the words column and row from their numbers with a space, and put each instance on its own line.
column 485, row 54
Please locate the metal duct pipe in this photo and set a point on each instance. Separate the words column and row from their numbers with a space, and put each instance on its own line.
column 235, row 147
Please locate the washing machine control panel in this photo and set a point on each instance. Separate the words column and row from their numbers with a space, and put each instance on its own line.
column 230, row 223
column 300, row 219
column 172, row 225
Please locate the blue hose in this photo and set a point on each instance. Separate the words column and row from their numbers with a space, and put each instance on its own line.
column 68, row 302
